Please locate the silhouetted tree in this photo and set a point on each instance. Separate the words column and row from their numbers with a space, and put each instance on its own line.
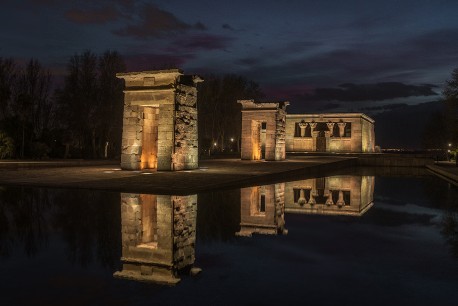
column 91, row 103
column 435, row 132
column 450, row 93
column 111, row 104
column 31, row 103
column 8, row 75
column 219, row 112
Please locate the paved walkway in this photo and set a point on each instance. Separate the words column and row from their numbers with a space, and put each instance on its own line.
column 445, row 170
column 211, row 175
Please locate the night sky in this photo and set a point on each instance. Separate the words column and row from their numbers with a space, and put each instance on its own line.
column 334, row 55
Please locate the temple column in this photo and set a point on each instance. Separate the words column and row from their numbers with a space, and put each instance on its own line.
column 301, row 201
column 341, row 128
column 340, row 201
column 330, row 126
column 303, row 126
column 329, row 199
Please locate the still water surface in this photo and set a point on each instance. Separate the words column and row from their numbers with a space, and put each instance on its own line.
column 348, row 240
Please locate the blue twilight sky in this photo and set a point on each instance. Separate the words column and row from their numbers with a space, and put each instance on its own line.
column 383, row 52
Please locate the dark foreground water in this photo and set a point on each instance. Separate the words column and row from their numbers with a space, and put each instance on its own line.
column 329, row 241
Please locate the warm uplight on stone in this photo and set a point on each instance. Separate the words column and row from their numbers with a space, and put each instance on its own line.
column 330, row 133
column 158, row 236
column 263, row 130
column 335, row 195
column 160, row 120
column 262, row 210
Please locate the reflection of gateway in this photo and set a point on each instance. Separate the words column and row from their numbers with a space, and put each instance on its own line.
column 158, row 236
column 262, row 210
column 335, row 195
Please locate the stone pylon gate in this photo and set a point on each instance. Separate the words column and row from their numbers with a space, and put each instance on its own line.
column 160, row 120
column 263, row 130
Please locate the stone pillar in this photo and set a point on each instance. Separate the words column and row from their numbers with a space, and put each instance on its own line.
column 301, row 201
column 340, row 201
column 174, row 99
column 329, row 199
column 303, row 126
column 274, row 115
column 341, row 128
column 330, row 126
column 313, row 126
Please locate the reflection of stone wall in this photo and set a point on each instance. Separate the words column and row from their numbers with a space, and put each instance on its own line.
column 262, row 210
column 335, row 195
column 173, row 98
column 362, row 137
column 158, row 236
column 254, row 115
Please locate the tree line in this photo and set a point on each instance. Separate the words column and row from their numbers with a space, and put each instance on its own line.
column 441, row 131
column 82, row 118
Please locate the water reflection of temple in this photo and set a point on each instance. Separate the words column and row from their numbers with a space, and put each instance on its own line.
column 158, row 236
column 335, row 195
column 263, row 207
column 262, row 210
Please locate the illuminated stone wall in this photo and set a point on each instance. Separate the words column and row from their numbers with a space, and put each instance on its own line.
column 160, row 120
column 335, row 195
column 262, row 210
column 158, row 236
column 263, row 130
column 330, row 133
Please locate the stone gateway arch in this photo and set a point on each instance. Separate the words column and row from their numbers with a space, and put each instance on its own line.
column 160, row 120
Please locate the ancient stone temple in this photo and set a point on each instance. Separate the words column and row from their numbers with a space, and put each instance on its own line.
column 263, row 130
column 262, row 210
column 158, row 236
column 345, row 132
column 160, row 120
column 334, row 195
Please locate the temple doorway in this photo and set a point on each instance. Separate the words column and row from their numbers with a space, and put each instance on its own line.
column 150, row 137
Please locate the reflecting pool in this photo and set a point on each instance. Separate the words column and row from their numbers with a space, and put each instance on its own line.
column 346, row 239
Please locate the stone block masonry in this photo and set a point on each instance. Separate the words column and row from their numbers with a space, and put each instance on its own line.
column 158, row 236
column 160, row 121
column 263, row 130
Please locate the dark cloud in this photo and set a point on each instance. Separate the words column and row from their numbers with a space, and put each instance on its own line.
column 144, row 62
column 370, row 92
column 156, row 23
column 227, row 27
column 92, row 16
column 199, row 42
column 385, row 107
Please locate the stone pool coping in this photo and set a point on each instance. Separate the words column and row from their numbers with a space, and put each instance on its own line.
column 211, row 175
column 445, row 170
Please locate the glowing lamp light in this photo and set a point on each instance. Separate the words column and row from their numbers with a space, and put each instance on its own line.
column 214, row 144
column 449, row 144
column 232, row 139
